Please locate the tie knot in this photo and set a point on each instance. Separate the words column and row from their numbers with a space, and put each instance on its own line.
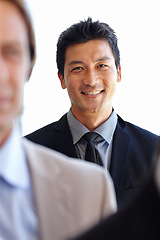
column 90, row 136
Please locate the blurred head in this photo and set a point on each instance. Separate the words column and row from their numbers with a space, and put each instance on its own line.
column 21, row 6
column 82, row 32
column 17, row 57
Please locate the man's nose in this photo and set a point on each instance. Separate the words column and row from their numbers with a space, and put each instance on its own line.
column 91, row 78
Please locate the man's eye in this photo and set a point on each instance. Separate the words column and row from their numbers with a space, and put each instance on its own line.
column 12, row 52
column 102, row 66
column 76, row 69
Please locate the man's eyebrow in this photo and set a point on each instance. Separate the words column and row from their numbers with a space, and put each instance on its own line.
column 81, row 62
column 75, row 62
column 103, row 58
column 12, row 44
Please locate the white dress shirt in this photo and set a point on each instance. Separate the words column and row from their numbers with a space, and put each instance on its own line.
column 18, row 220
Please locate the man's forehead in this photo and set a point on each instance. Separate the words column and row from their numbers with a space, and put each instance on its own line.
column 13, row 29
column 96, row 49
column 10, row 17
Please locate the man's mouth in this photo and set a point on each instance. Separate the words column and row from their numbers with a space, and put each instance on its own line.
column 93, row 93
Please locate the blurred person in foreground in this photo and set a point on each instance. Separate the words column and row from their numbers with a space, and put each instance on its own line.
column 88, row 61
column 140, row 220
column 43, row 195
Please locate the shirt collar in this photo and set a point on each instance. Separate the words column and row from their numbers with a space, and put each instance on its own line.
column 106, row 130
column 13, row 165
column 77, row 128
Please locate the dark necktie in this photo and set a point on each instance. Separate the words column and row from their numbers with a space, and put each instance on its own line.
column 91, row 152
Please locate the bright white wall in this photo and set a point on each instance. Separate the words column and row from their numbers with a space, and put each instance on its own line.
column 137, row 25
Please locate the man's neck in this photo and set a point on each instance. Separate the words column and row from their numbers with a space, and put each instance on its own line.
column 4, row 134
column 92, row 120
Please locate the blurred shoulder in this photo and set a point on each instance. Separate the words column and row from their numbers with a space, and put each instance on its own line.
column 39, row 153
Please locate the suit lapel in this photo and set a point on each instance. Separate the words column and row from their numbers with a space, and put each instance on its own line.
column 54, row 212
column 119, row 157
column 64, row 142
column 120, row 148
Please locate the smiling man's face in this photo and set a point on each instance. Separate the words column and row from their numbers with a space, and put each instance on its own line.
column 90, row 76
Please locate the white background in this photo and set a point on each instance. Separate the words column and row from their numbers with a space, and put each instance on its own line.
column 137, row 25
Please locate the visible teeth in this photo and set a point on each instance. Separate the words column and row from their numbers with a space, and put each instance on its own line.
column 92, row 93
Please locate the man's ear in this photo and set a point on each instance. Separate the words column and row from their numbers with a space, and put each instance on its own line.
column 119, row 78
column 63, row 84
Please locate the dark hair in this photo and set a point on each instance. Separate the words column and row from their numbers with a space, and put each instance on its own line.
column 21, row 5
column 82, row 32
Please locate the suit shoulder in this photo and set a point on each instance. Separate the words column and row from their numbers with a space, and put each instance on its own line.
column 48, row 127
column 58, row 159
column 139, row 139
column 47, row 130
column 50, row 160
column 134, row 130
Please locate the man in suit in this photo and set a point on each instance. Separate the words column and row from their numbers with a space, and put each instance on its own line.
column 43, row 194
column 88, row 61
column 139, row 220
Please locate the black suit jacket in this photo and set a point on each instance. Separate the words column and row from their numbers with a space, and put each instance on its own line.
column 132, row 151
column 140, row 220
